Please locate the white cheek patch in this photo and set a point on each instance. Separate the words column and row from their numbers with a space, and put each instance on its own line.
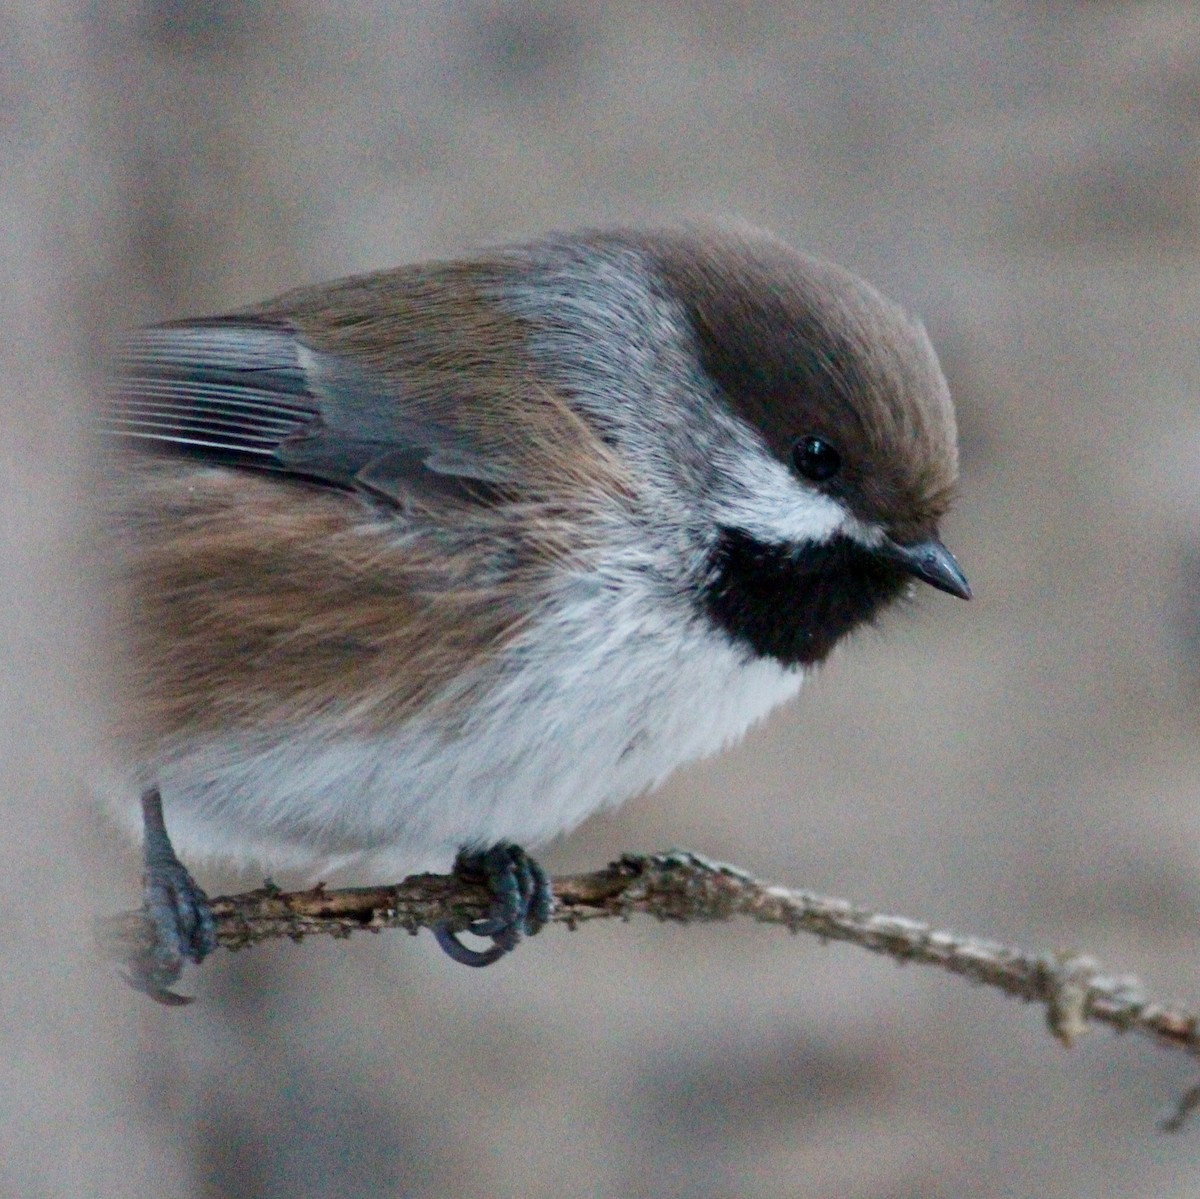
column 773, row 506
column 869, row 536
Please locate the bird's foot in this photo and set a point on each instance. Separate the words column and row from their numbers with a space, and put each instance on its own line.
column 522, row 903
column 184, row 927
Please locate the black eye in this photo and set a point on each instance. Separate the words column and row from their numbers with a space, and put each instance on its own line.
column 816, row 459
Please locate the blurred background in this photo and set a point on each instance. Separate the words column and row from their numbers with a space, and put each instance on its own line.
column 1023, row 174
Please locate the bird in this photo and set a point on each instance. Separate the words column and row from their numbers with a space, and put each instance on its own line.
column 426, row 565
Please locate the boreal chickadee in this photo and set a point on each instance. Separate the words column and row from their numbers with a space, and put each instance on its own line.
column 444, row 558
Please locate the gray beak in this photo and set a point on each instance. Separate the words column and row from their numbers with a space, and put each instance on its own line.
column 931, row 562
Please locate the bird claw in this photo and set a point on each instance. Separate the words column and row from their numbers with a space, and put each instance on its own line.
column 522, row 902
column 184, row 926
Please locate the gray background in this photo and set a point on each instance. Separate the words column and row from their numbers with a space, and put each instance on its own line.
column 1024, row 175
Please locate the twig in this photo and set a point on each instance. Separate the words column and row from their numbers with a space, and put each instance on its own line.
column 684, row 887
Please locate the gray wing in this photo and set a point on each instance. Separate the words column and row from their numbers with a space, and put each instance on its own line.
column 240, row 391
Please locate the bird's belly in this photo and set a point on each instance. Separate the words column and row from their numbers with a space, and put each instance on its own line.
column 552, row 742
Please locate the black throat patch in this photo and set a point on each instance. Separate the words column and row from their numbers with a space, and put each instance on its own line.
column 795, row 604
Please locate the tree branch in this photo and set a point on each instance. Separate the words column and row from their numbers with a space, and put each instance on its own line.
column 685, row 887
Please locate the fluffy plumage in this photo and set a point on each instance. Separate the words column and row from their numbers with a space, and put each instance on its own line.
column 460, row 552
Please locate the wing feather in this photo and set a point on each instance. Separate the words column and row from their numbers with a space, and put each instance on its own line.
column 241, row 391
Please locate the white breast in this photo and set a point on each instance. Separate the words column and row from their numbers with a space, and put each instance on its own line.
column 599, row 701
